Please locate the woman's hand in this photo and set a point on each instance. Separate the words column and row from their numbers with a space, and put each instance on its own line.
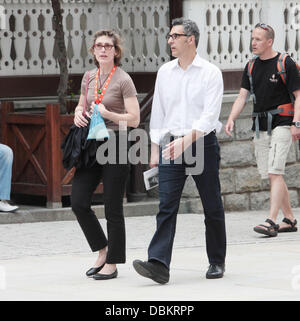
column 92, row 108
column 79, row 119
column 102, row 110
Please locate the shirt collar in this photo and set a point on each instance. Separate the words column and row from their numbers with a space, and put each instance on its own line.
column 197, row 62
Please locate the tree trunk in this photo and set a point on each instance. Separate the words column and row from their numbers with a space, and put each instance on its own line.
column 62, row 54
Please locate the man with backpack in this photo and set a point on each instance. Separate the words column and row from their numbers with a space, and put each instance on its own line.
column 273, row 80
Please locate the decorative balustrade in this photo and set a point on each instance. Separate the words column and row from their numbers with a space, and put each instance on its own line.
column 291, row 15
column 227, row 35
column 28, row 46
column 226, row 25
column 143, row 26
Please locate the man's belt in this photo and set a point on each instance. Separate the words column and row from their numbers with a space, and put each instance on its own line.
column 282, row 110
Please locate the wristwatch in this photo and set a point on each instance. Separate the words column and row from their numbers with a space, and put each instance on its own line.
column 296, row 123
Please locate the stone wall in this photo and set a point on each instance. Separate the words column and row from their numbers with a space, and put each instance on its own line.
column 242, row 187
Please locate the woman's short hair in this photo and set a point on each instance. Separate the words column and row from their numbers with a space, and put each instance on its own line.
column 117, row 41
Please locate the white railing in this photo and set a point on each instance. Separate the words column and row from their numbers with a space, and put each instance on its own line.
column 28, row 47
column 225, row 27
column 143, row 25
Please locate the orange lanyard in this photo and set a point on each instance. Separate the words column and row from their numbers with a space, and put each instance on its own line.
column 98, row 99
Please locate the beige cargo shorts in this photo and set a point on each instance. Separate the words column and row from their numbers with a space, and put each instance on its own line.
column 271, row 151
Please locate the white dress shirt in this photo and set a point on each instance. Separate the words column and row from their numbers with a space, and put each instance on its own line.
column 186, row 99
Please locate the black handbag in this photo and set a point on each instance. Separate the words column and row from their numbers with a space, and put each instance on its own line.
column 77, row 151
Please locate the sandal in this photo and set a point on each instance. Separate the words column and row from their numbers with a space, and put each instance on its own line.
column 292, row 228
column 271, row 230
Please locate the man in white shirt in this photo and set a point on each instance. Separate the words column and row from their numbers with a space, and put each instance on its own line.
column 185, row 111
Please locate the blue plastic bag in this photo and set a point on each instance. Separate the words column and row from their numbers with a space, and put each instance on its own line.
column 98, row 128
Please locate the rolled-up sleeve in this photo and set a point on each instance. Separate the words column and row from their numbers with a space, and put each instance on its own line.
column 157, row 113
column 212, row 104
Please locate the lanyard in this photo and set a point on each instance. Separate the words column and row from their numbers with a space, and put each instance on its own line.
column 98, row 99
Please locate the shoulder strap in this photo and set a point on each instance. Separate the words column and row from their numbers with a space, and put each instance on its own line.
column 282, row 71
column 281, row 67
column 86, row 92
column 250, row 69
column 250, row 66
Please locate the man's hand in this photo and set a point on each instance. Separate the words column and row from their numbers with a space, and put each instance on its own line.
column 154, row 160
column 294, row 130
column 229, row 127
column 237, row 108
column 295, row 133
column 174, row 149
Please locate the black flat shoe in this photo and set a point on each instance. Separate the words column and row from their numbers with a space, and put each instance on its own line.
column 153, row 270
column 92, row 271
column 215, row 271
column 99, row 276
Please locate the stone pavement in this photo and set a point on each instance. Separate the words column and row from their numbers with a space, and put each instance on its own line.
column 47, row 261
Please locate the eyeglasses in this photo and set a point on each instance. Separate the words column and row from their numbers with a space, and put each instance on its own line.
column 263, row 26
column 176, row 35
column 99, row 46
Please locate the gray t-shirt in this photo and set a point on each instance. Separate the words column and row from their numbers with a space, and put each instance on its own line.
column 120, row 87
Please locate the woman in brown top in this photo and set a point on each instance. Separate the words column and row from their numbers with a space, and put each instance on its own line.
column 119, row 104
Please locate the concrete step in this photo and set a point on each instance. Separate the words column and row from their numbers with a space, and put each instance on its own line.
column 32, row 214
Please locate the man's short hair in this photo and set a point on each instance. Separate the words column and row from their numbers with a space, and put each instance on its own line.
column 268, row 29
column 190, row 27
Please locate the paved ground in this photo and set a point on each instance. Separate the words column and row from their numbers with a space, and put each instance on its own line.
column 48, row 260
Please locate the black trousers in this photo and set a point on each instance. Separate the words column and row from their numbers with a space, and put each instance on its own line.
column 86, row 180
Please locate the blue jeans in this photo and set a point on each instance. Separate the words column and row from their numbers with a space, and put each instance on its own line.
column 172, row 178
column 6, row 160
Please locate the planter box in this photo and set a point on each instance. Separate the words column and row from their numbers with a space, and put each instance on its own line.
column 35, row 139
